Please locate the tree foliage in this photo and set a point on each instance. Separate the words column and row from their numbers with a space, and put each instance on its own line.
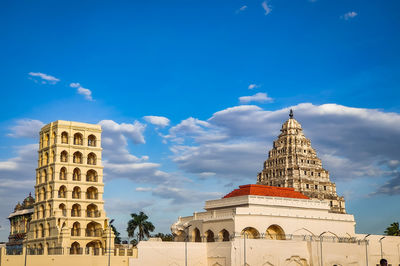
column 117, row 239
column 165, row 237
column 393, row 230
column 140, row 222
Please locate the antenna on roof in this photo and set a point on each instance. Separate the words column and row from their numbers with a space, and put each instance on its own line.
column 291, row 113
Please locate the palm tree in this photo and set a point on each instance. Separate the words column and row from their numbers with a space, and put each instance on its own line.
column 139, row 221
column 393, row 230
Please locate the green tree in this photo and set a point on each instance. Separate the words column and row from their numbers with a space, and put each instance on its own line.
column 165, row 237
column 140, row 222
column 393, row 230
column 117, row 239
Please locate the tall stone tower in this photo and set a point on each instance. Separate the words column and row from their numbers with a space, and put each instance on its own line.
column 292, row 162
column 69, row 207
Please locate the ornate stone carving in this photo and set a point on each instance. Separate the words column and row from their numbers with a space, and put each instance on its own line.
column 292, row 162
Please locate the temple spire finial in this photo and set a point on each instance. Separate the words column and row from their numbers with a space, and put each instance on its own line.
column 291, row 113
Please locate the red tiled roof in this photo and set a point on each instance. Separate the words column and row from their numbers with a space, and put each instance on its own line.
column 263, row 190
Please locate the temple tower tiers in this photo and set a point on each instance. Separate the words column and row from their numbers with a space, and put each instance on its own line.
column 69, row 207
column 292, row 162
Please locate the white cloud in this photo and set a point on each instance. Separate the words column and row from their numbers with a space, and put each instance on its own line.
column 349, row 15
column 134, row 131
column 43, row 78
column 260, row 97
column 253, row 86
column 267, row 8
column 241, row 9
column 26, row 128
column 157, row 120
column 179, row 195
column 82, row 91
column 352, row 142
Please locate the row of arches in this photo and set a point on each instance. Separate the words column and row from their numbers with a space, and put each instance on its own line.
column 272, row 232
column 42, row 230
column 208, row 236
column 91, row 193
column 92, row 211
column 91, row 175
column 44, row 176
column 77, row 139
column 92, row 229
column 77, row 249
column 78, row 158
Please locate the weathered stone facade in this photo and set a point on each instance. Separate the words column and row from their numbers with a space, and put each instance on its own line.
column 292, row 162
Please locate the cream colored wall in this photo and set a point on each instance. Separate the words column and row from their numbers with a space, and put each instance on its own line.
column 65, row 260
column 258, row 252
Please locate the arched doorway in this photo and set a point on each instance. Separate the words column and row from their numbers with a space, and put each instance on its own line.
column 95, row 246
column 209, row 236
column 75, row 249
column 223, row 235
column 275, row 232
column 196, row 235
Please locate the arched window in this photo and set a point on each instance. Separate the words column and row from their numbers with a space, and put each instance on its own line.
column 41, row 230
column 209, row 236
column 76, row 210
column 64, row 157
column 78, row 139
column 92, row 211
column 91, row 176
column 44, row 173
column 275, row 232
column 36, row 232
column 250, row 232
column 75, row 249
column 42, row 194
column 223, row 235
column 76, row 176
column 47, row 230
column 94, row 229
column 92, row 140
column 63, row 209
column 51, row 174
column 77, row 157
column 196, row 235
column 92, row 193
column 76, row 193
column 47, row 140
column 91, row 159
column 41, row 213
column 46, row 158
column 62, row 192
column 64, row 138
column 63, row 173
column 76, row 229
column 52, row 157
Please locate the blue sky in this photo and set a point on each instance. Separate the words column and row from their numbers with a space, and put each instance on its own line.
column 336, row 63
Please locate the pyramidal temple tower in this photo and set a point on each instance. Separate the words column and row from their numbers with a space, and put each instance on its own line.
column 292, row 162
column 69, row 207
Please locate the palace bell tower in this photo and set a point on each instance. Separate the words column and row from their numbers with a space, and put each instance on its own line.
column 69, row 207
column 292, row 162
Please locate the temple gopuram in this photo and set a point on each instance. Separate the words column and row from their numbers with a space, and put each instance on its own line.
column 292, row 162
column 19, row 224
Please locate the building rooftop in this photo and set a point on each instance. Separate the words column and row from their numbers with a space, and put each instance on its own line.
column 263, row 190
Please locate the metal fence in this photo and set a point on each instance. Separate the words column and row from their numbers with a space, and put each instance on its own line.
column 310, row 238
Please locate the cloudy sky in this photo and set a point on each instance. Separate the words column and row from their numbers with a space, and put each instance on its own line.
column 191, row 94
